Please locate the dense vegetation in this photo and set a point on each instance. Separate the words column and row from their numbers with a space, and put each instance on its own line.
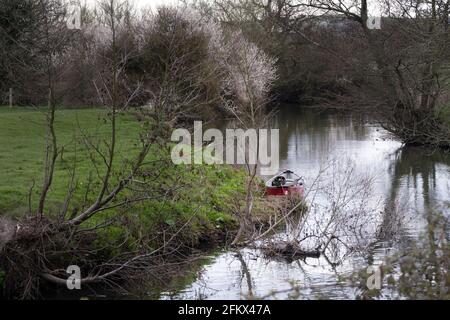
column 210, row 188
column 324, row 52
column 96, row 186
column 328, row 55
column 195, row 205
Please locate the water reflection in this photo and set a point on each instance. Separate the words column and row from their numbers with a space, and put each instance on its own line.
column 411, row 183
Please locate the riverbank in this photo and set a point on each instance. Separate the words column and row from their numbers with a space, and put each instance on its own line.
column 186, row 208
column 409, row 194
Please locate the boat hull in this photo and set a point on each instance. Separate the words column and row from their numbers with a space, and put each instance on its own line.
column 285, row 191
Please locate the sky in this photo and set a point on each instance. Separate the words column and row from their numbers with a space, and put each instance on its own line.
column 152, row 3
column 144, row 3
column 373, row 5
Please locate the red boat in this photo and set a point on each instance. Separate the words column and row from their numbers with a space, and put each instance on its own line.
column 285, row 183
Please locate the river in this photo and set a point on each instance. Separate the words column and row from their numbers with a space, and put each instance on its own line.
column 408, row 185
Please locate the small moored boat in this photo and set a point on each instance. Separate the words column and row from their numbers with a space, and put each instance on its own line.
column 285, row 183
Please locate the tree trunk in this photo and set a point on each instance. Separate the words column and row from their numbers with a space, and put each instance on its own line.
column 10, row 97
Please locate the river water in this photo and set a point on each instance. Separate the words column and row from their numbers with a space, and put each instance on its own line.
column 336, row 153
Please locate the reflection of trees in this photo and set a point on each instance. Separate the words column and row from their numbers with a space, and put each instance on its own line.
column 418, row 261
column 414, row 169
column 245, row 273
column 314, row 130
column 420, row 271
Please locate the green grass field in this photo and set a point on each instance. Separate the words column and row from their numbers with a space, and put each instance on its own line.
column 199, row 211
column 22, row 147
column 207, row 191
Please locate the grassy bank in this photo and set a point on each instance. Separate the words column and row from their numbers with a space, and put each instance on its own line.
column 209, row 190
column 22, row 146
column 186, row 207
column 195, row 203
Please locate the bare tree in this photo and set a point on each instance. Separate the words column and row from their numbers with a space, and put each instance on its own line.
column 115, row 45
column 251, row 74
column 399, row 71
column 65, row 233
